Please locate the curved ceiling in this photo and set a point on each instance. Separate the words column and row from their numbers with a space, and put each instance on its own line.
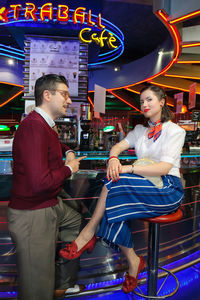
column 143, row 32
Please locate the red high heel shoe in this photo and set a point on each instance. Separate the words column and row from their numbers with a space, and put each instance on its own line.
column 70, row 251
column 130, row 282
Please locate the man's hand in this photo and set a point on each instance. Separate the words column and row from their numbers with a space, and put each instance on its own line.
column 74, row 164
column 70, row 156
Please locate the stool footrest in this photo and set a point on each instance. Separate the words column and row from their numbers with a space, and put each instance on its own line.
column 169, row 273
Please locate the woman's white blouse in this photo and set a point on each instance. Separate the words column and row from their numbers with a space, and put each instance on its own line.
column 166, row 148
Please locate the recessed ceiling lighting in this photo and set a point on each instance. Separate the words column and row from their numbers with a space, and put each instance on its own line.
column 10, row 61
column 110, row 96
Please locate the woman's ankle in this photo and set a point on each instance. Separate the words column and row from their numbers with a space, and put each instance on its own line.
column 83, row 238
column 133, row 266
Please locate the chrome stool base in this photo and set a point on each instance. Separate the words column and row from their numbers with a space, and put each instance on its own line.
column 153, row 256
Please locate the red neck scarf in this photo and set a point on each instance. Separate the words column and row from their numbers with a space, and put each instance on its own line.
column 155, row 131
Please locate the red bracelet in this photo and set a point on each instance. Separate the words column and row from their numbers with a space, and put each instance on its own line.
column 113, row 157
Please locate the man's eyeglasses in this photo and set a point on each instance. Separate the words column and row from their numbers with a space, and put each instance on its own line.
column 65, row 94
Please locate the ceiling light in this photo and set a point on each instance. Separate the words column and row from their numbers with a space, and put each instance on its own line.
column 116, row 69
column 11, row 62
column 110, row 96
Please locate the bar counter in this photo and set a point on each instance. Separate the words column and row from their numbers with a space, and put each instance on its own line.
column 93, row 167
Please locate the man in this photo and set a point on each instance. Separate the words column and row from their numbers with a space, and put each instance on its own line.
column 35, row 211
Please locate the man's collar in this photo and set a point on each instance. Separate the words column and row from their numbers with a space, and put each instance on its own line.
column 45, row 116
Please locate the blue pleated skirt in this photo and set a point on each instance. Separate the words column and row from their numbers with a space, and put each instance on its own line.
column 133, row 197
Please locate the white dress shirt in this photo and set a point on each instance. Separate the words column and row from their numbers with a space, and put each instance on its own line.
column 166, row 148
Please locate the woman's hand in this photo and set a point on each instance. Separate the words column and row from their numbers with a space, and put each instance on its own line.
column 113, row 170
column 114, row 166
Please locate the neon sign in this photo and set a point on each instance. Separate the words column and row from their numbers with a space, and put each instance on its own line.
column 94, row 29
column 99, row 40
column 46, row 14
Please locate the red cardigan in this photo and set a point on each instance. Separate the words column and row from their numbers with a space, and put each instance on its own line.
column 39, row 170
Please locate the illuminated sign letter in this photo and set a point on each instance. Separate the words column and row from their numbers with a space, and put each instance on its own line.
column 16, row 8
column 3, row 14
column 30, row 11
column 46, row 10
column 99, row 25
column 89, row 20
column 99, row 40
column 62, row 14
column 111, row 40
column 81, row 38
column 79, row 14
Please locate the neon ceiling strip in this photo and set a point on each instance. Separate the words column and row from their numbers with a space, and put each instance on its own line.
column 11, row 56
column 17, row 94
column 120, row 98
column 89, row 99
column 133, row 91
column 10, row 51
column 19, row 85
column 182, row 76
column 188, row 45
column 11, row 48
column 185, row 17
column 11, row 98
column 172, row 87
column 188, row 62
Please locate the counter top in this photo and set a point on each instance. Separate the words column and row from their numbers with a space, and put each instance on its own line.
column 92, row 155
column 103, row 155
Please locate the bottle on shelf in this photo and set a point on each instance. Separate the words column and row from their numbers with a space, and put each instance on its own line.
column 101, row 141
column 91, row 140
column 96, row 142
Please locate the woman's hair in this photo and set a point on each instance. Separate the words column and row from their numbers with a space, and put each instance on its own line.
column 47, row 82
column 166, row 114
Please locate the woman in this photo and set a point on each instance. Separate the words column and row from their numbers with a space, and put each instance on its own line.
column 127, row 193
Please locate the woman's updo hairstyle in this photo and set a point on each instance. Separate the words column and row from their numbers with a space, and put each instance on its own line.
column 166, row 114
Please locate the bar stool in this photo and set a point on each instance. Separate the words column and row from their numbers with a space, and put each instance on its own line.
column 153, row 255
